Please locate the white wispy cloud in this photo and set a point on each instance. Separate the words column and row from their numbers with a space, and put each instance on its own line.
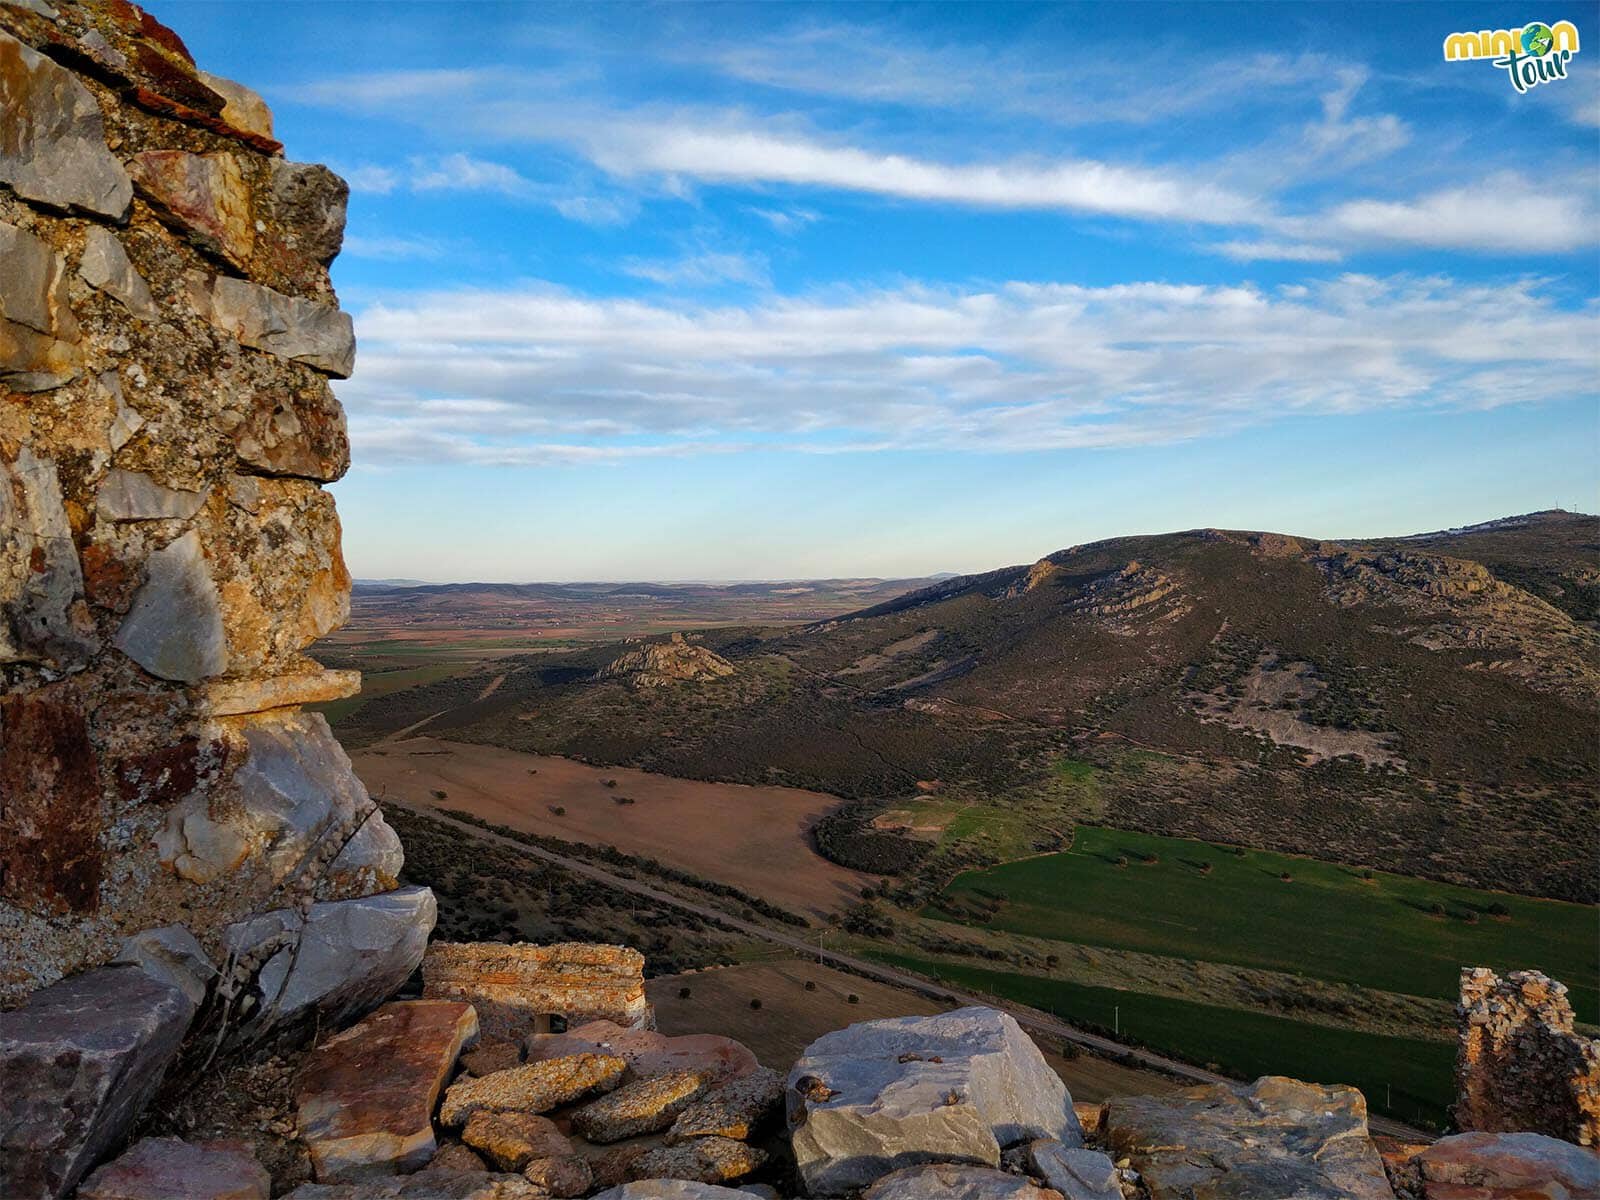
column 786, row 221
column 1504, row 213
column 699, row 268
column 1271, row 251
column 464, row 173
column 393, row 249
column 485, row 376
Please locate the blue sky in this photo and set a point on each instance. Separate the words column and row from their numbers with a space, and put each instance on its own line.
column 680, row 291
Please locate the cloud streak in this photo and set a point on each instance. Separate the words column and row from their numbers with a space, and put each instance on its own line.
column 525, row 375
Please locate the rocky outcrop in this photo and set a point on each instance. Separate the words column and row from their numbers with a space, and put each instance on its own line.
column 1276, row 1137
column 367, row 1095
column 168, row 331
column 77, row 1063
column 957, row 1087
column 518, row 988
column 661, row 664
column 1503, row 1166
column 1519, row 1064
column 169, row 1169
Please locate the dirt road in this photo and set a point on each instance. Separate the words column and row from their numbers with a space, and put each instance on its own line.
column 1028, row 1018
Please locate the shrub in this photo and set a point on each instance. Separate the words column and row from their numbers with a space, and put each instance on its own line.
column 440, row 794
column 811, row 985
column 683, row 993
column 1286, row 877
column 1122, row 860
column 852, row 998
column 755, row 1002
column 559, row 810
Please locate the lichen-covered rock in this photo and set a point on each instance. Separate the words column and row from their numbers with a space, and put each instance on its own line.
column 518, row 988
column 52, row 136
column 511, row 1140
column 955, row 1087
column 1274, row 1138
column 353, row 954
column 170, row 1169
column 647, row 1051
column 307, row 331
column 453, row 1156
column 703, row 1160
column 564, row 1175
column 203, row 195
column 735, row 1110
column 952, row 1181
column 644, row 1106
column 425, row 1185
column 77, row 1064
column 535, row 1088
column 366, row 1098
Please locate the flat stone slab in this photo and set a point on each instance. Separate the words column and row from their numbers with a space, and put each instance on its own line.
column 953, row 1181
column 77, row 1063
column 670, row 1189
column 648, row 1052
column 511, row 1140
column 1077, row 1172
column 425, row 1185
column 703, row 1160
column 735, row 1110
column 172, row 1169
column 954, row 1087
column 1507, row 1166
column 535, row 1088
column 1274, row 1138
column 367, row 1097
column 644, row 1106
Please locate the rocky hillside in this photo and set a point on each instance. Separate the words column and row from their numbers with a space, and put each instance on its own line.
column 1394, row 703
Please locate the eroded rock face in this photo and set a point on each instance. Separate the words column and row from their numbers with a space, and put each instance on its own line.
column 1276, row 1137
column 366, row 1100
column 168, row 331
column 77, row 1063
column 956, row 1087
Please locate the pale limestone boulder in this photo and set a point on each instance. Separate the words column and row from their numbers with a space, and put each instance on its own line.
column 52, row 137
column 354, row 954
column 295, row 790
column 1274, row 1138
column 366, row 1098
column 38, row 331
column 135, row 496
column 170, row 1169
column 954, row 1087
column 1077, row 1172
column 174, row 629
column 292, row 327
column 242, row 107
column 42, row 613
column 1507, row 1166
column 77, row 1063
column 173, row 956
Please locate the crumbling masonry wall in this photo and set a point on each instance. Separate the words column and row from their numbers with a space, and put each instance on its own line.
column 167, row 335
column 1519, row 1066
column 516, row 989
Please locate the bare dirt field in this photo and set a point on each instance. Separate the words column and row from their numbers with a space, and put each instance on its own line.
column 755, row 838
column 791, row 1018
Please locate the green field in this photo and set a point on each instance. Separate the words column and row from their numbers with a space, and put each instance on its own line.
column 1403, row 1078
column 1327, row 921
column 381, row 683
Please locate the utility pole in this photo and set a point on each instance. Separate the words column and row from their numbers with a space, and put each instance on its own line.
column 1116, row 1020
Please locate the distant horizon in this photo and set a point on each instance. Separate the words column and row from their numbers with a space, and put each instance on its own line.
column 748, row 291
column 943, row 573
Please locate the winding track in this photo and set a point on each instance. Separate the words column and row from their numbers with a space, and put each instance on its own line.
column 1026, row 1017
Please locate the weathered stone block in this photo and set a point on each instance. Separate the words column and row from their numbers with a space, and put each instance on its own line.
column 308, row 201
column 670, row 1189
column 77, row 1063
column 203, row 197
column 511, row 1140
column 242, row 107
column 134, row 496
column 735, row 1110
column 307, row 331
column 518, row 988
column 241, row 697
column 955, row 1087
column 174, row 629
column 366, row 1099
column 1507, row 1166
column 1276, row 1137
column 425, row 1185
column 105, row 265
column 41, row 581
column 648, row 1052
column 644, row 1106
column 38, row 330
column 52, row 137
column 704, row 1160
column 354, row 954
column 534, row 1088
column 171, row 955
column 170, row 1169
column 1077, row 1172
